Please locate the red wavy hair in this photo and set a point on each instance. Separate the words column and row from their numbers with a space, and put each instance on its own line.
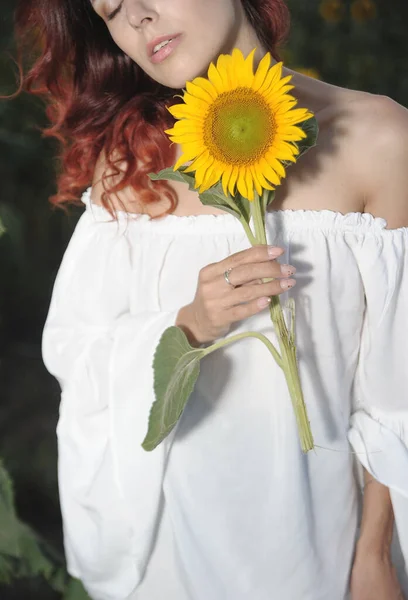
column 100, row 101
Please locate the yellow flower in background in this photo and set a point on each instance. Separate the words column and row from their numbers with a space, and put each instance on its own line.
column 238, row 127
column 332, row 10
column 363, row 10
column 308, row 71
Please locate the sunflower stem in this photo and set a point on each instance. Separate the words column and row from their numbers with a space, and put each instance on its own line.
column 240, row 336
column 287, row 345
column 248, row 231
column 244, row 223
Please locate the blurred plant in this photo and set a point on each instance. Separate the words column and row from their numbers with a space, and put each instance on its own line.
column 332, row 11
column 23, row 554
column 363, row 10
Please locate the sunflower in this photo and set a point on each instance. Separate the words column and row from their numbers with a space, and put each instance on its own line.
column 237, row 126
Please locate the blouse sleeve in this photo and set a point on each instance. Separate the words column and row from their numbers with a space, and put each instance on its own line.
column 101, row 354
column 379, row 423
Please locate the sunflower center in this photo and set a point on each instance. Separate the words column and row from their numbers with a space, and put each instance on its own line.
column 239, row 127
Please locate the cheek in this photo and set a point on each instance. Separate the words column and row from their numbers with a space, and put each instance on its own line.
column 126, row 39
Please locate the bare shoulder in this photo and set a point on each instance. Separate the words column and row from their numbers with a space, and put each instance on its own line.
column 378, row 145
column 378, row 122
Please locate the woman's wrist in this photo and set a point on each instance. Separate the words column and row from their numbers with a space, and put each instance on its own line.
column 185, row 320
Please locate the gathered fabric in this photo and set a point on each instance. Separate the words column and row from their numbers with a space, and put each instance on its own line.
column 227, row 507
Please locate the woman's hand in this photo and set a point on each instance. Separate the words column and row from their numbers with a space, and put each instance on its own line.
column 217, row 305
column 375, row 578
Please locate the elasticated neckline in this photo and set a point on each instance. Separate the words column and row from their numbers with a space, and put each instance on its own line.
column 289, row 218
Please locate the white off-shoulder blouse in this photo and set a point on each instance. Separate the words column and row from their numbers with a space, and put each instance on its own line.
column 228, row 507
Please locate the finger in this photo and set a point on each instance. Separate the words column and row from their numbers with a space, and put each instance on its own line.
column 243, row 311
column 256, row 254
column 253, row 282
column 249, row 294
column 265, row 271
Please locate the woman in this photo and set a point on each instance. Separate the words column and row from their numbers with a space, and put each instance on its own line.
column 227, row 508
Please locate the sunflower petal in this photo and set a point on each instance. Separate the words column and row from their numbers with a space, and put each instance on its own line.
column 211, row 177
column 186, row 125
column 255, row 179
column 247, row 70
column 270, row 172
column 198, row 91
column 216, row 79
column 202, row 161
column 298, row 115
column 261, row 71
column 225, row 178
column 214, row 178
column 208, row 173
column 274, row 75
column 241, row 185
column 225, row 71
column 180, row 162
column 249, row 184
column 182, row 111
column 262, row 181
column 201, row 174
column 285, row 153
column 196, row 103
column 233, row 181
column 278, row 167
column 189, row 152
column 207, row 86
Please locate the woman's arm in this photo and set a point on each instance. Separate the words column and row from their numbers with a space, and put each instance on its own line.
column 383, row 179
column 377, row 521
column 373, row 575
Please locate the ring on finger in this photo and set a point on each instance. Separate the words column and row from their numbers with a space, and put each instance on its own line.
column 227, row 279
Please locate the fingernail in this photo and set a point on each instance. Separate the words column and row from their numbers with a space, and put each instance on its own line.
column 262, row 302
column 274, row 252
column 288, row 270
column 286, row 284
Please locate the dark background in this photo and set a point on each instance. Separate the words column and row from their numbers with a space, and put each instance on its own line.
column 360, row 44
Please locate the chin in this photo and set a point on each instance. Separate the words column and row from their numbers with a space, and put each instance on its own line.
column 179, row 84
column 184, row 73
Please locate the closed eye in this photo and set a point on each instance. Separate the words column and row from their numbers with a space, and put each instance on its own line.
column 113, row 14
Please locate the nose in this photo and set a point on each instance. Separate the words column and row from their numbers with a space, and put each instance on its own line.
column 139, row 13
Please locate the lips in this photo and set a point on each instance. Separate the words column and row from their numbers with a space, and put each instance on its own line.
column 151, row 45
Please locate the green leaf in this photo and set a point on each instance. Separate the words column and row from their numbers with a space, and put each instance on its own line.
column 176, row 367
column 267, row 198
column 311, row 128
column 12, row 224
column 212, row 197
column 75, row 591
column 179, row 176
column 7, row 566
column 9, row 525
column 244, row 206
column 58, row 581
column 23, row 554
column 35, row 561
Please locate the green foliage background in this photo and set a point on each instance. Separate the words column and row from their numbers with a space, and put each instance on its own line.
column 360, row 44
